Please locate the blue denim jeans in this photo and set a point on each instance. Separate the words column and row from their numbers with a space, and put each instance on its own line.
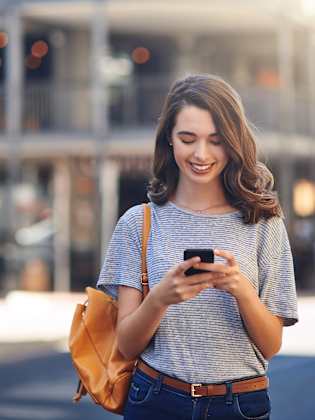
column 149, row 399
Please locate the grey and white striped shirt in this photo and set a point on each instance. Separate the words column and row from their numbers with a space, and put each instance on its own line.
column 203, row 340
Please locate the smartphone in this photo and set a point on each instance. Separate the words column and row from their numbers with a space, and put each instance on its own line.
column 206, row 255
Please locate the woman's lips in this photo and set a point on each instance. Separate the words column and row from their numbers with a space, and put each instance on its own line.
column 200, row 169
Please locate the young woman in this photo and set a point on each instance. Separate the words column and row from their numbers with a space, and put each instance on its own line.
column 203, row 341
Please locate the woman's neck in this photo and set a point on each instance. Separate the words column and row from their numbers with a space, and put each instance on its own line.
column 199, row 198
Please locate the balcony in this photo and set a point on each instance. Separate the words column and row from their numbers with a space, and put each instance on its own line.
column 66, row 108
column 62, row 108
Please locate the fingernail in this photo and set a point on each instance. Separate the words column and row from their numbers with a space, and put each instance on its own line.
column 216, row 251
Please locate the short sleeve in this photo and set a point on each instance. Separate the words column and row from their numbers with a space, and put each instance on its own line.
column 122, row 264
column 277, row 288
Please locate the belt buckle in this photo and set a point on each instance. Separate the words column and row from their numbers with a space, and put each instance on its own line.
column 193, row 392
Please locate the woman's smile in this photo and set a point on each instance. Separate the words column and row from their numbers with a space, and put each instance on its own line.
column 201, row 169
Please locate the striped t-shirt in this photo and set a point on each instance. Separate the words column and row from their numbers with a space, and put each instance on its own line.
column 203, row 340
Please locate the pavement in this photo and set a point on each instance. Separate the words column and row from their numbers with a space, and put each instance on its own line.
column 37, row 379
column 34, row 321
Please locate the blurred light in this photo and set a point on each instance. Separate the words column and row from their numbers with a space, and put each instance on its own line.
column 114, row 69
column 268, row 79
column 57, row 39
column 32, row 62
column 308, row 7
column 24, row 194
column 304, row 198
column 4, row 39
column 35, row 233
column 39, row 49
column 140, row 55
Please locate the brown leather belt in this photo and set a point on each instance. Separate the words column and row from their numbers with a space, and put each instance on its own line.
column 200, row 390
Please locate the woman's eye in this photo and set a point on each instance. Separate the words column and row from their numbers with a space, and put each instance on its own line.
column 216, row 140
column 186, row 140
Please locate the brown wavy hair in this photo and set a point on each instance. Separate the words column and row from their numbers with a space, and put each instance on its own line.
column 248, row 184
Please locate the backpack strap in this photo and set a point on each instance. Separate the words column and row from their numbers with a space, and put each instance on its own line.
column 145, row 237
column 81, row 391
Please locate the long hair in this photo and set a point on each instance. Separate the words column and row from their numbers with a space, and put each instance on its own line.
column 248, row 184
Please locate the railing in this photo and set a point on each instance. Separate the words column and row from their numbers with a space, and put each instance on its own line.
column 270, row 110
column 138, row 102
column 56, row 107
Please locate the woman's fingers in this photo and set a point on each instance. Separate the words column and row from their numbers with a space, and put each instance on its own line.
column 204, row 278
column 212, row 267
column 194, row 289
column 227, row 255
column 185, row 265
column 192, row 285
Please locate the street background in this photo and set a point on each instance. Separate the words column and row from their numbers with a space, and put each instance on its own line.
column 81, row 89
column 37, row 379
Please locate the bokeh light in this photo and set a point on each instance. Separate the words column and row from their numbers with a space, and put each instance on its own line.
column 39, row 49
column 32, row 62
column 140, row 55
column 268, row 78
column 4, row 39
column 304, row 198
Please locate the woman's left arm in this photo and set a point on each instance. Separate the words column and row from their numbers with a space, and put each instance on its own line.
column 264, row 328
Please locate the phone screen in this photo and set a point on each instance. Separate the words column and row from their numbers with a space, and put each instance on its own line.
column 206, row 255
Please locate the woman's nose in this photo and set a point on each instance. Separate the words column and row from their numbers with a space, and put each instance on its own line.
column 201, row 152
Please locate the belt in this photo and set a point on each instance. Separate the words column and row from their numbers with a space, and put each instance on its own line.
column 200, row 390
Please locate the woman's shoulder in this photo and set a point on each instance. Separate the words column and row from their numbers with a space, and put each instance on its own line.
column 274, row 222
column 133, row 217
column 272, row 229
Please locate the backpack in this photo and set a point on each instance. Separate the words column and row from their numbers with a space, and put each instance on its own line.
column 103, row 371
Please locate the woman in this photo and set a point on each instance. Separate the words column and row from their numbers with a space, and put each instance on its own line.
column 203, row 341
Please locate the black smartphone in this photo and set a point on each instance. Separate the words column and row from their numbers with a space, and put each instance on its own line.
column 206, row 255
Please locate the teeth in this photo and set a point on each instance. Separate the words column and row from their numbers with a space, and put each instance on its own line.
column 201, row 167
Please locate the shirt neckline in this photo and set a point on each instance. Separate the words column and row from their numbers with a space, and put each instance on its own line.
column 207, row 215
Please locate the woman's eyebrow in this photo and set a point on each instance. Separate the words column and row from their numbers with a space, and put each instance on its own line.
column 193, row 134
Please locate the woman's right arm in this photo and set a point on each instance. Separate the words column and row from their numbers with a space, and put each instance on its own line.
column 138, row 320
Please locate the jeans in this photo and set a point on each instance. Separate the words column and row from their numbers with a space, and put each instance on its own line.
column 149, row 399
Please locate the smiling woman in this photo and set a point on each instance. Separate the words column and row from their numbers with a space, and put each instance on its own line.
column 209, row 334
column 204, row 120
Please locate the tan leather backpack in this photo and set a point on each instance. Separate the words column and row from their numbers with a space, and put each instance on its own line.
column 103, row 371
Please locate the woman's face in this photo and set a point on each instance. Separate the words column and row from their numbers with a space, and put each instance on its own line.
column 198, row 149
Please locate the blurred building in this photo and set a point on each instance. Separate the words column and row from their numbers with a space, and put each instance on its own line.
column 81, row 89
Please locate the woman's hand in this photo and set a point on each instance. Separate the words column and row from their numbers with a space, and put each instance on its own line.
column 232, row 280
column 263, row 327
column 176, row 287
